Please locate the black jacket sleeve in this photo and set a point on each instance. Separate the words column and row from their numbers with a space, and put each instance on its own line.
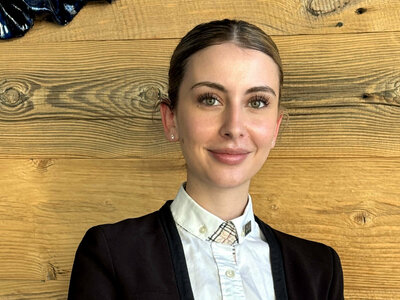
column 336, row 287
column 93, row 275
column 312, row 270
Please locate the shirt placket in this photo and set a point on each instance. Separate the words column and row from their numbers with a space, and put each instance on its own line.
column 228, row 271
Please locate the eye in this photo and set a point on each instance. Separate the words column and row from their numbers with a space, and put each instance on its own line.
column 208, row 99
column 258, row 102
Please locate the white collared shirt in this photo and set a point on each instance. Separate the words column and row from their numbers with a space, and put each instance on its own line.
column 219, row 271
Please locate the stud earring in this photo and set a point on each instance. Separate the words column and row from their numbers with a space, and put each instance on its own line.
column 172, row 137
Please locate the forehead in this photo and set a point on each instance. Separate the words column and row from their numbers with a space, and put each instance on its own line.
column 230, row 64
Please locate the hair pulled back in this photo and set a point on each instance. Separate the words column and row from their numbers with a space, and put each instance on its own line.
column 241, row 33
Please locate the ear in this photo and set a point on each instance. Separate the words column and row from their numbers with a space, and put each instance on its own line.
column 278, row 124
column 169, row 122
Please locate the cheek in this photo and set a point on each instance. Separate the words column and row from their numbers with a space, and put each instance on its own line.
column 195, row 127
column 263, row 133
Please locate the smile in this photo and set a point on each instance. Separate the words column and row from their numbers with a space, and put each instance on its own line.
column 230, row 156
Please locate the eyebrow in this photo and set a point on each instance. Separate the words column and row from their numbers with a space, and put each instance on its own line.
column 217, row 86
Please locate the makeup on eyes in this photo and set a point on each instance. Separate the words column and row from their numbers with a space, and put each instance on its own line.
column 260, row 98
column 207, row 96
column 263, row 100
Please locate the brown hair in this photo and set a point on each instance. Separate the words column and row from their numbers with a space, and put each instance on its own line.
column 242, row 33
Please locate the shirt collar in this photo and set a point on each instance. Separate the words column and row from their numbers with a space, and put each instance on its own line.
column 202, row 224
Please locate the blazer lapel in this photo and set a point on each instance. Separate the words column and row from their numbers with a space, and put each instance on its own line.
column 176, row 251
column 278, row 271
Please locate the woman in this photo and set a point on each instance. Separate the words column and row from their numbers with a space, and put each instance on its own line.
column 223, row 108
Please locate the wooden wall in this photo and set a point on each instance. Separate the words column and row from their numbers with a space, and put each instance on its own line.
column 79, row 144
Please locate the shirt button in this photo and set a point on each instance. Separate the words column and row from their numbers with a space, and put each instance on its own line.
column 203, row 229
column 230, row 273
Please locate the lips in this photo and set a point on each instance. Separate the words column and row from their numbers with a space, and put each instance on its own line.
column 230, row 156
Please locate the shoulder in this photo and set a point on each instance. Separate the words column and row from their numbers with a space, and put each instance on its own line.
column 302, row 247
column 303, row 252
column 294, row 247
column 148, row 230
column 118, row 261
column 140, row 224
column 311, row 268
column 312, row 265
column 127, row 231
column 115, row 244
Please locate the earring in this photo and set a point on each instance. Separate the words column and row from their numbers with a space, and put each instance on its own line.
column 172, row 137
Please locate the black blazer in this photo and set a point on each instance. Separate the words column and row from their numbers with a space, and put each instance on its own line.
column 143, row 258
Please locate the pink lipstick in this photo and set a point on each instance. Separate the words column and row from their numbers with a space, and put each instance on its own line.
column 230, row 156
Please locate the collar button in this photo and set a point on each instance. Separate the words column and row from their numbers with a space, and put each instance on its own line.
column 203, row 229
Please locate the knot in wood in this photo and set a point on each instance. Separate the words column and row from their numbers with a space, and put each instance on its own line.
column 152, row 94
column 149, row 97
column 51, row 272
column 397, row 91
column 42, row 165
column 324, row 7
column 392, row 92
column 362, row 217
column 12, row 97
column 366, row 95
column 146, row 96
column 361, row 10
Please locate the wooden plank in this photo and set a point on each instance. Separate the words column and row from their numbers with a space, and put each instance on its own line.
column 132, row 19
column 33, row 290
column 47, row 205
column 96, row 99
column 350, row 204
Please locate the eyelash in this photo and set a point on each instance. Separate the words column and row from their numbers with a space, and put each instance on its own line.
column 206, row 96
column 262, row 99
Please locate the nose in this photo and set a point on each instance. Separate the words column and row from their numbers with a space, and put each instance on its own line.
column 233, row 122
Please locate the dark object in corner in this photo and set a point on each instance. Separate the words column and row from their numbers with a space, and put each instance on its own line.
column 16, row 16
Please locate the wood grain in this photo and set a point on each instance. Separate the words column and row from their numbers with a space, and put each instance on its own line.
column 33, row 290
column 350, row 204
column 144, row 19
column 80, row 144
column 96, row 99
column 335, row 201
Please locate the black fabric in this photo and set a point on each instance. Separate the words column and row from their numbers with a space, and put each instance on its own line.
column 278, row 271
column 16, row 16
column 143, row 258
column 126, row 260
column 313, row 270
column 176, row 249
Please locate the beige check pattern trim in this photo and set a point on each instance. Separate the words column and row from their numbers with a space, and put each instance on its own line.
column 225, row 234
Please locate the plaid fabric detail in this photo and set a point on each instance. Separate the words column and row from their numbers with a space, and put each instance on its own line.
column 225, row 234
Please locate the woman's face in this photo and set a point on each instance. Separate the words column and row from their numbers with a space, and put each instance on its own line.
column 227, row 116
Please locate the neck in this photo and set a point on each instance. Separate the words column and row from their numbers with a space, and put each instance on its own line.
column 225, row 203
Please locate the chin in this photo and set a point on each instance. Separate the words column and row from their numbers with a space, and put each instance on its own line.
column 230, row 182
